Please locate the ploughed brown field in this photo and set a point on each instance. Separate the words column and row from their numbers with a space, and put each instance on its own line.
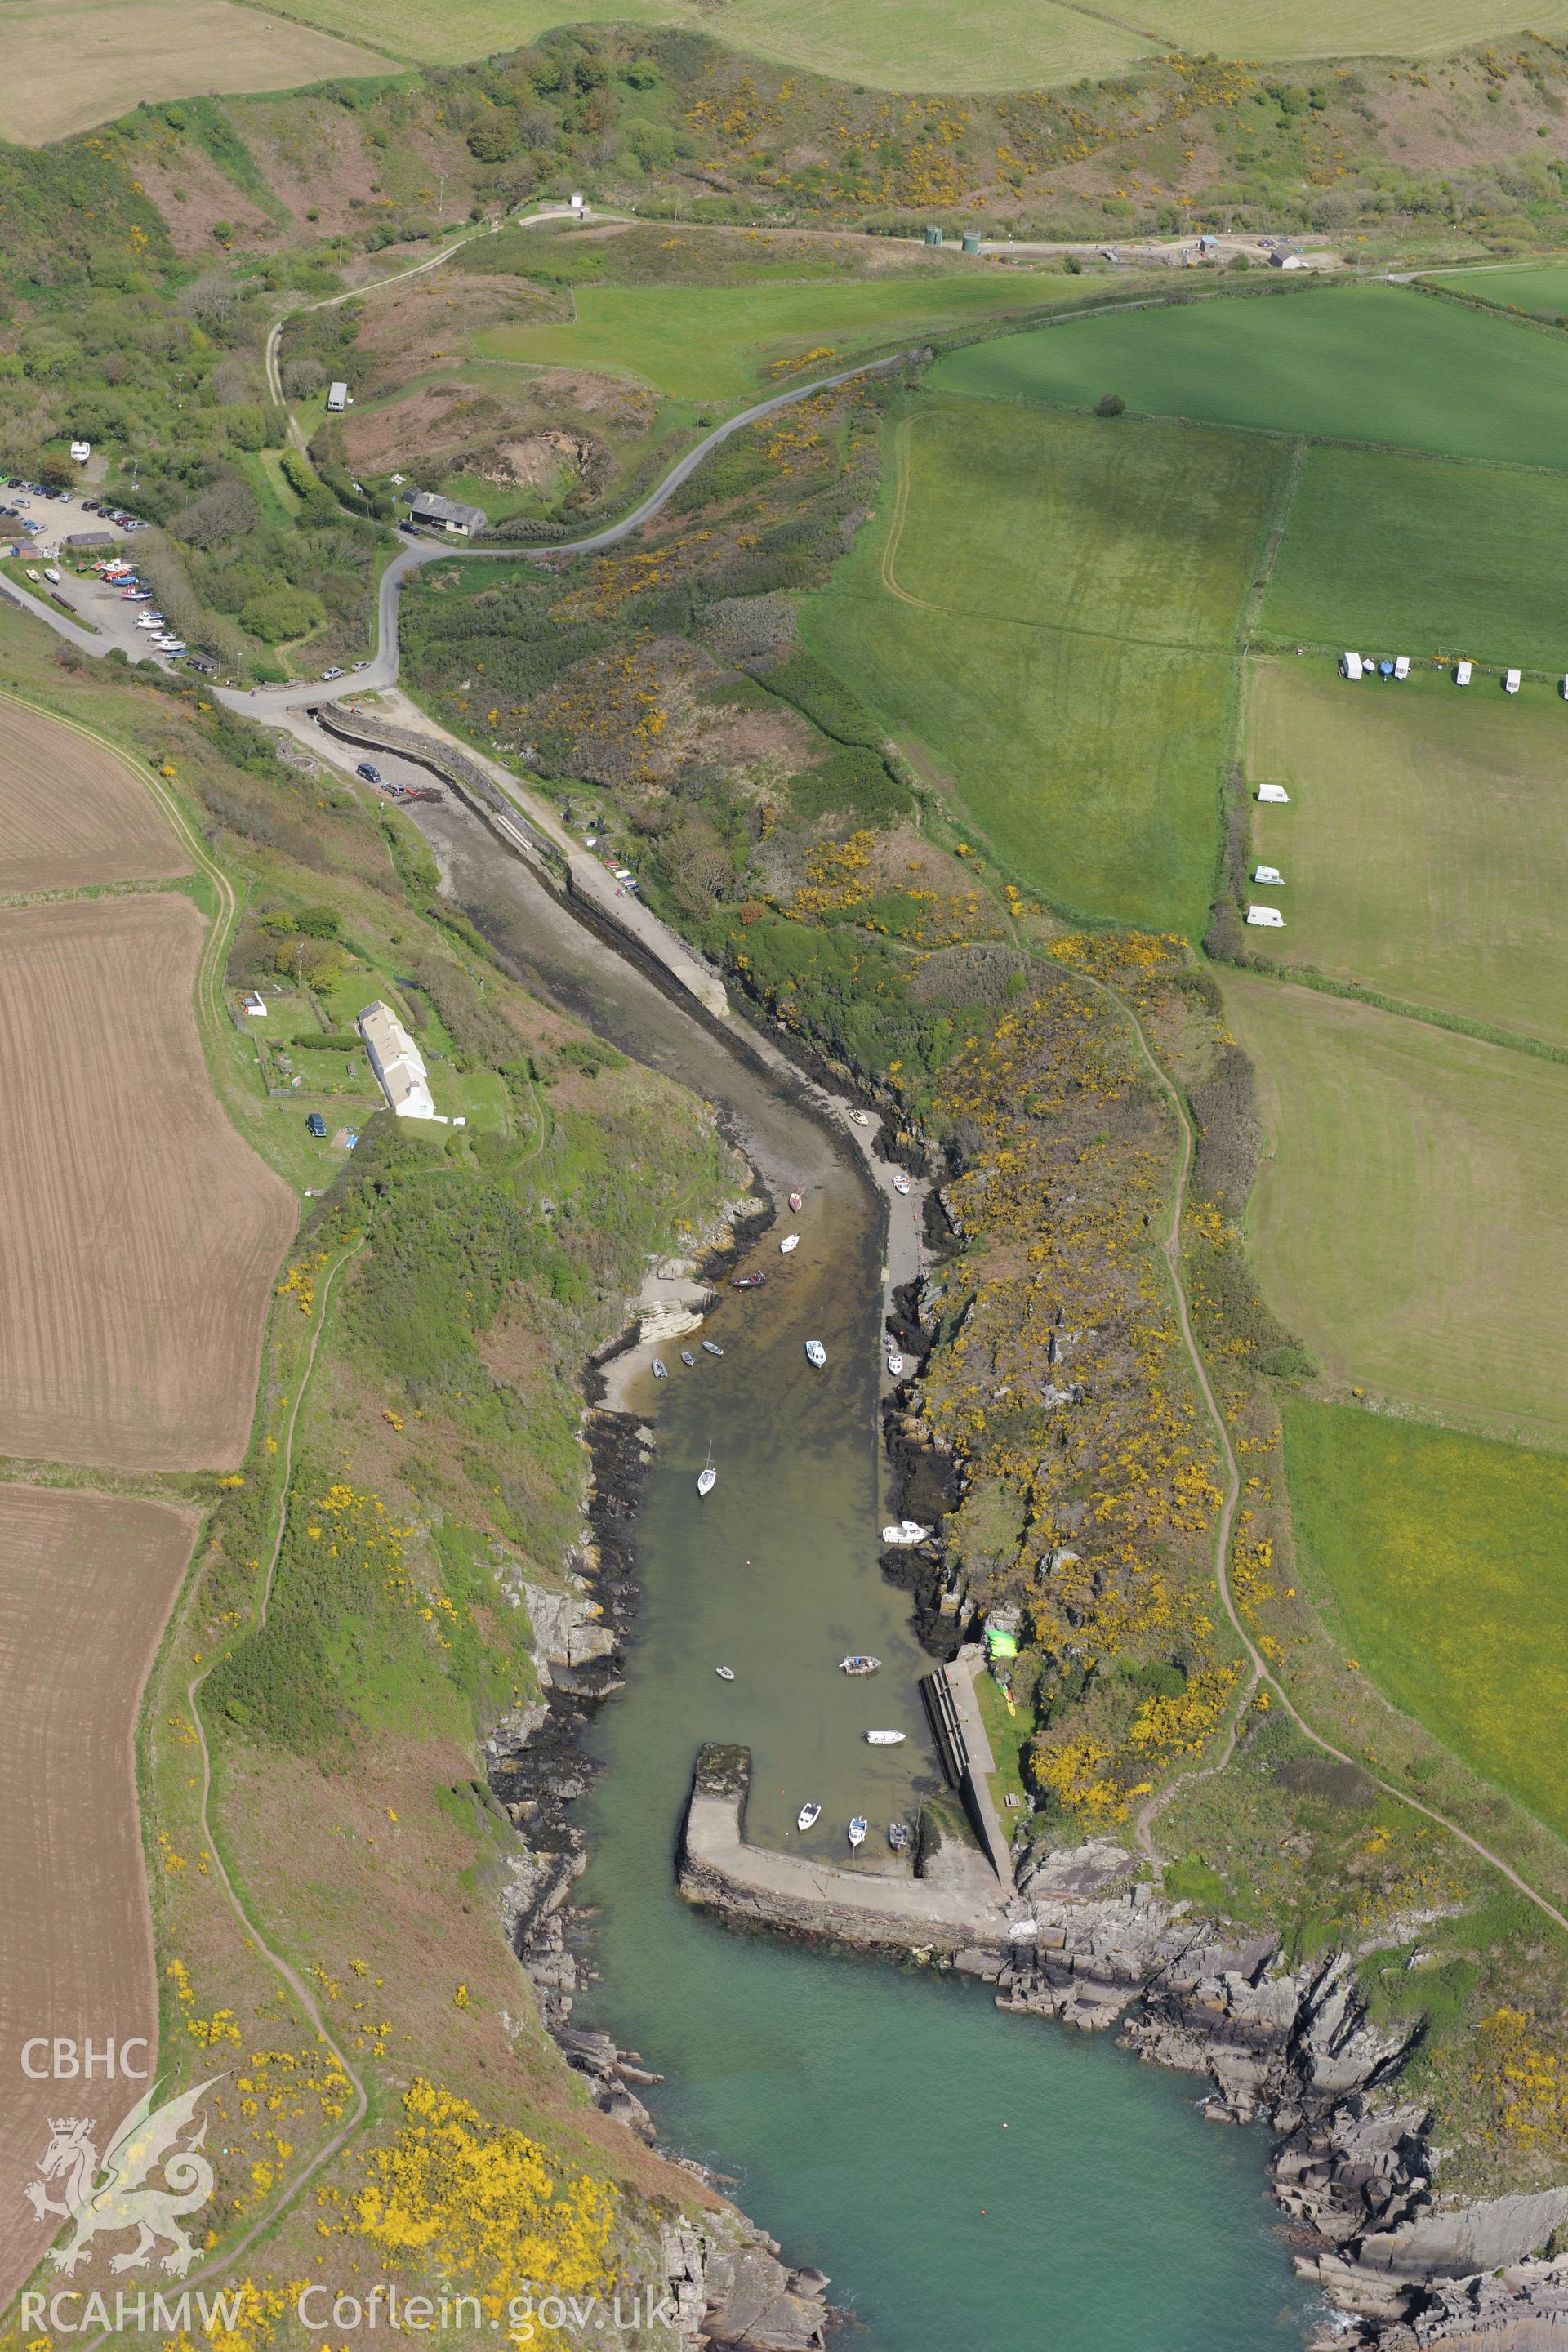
column 73, row 813
column 141, row 1233
column 85, row 1584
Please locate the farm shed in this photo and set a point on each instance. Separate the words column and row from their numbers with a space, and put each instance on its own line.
column 1266, row 919
column 89, row 538
column 397, row 1062
column 450, row 513
column 1272, row 792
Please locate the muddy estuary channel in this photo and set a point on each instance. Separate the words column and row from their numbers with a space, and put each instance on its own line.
column 964, row 2177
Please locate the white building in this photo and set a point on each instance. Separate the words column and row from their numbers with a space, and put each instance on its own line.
column 397, row 1062
column 1267, row 918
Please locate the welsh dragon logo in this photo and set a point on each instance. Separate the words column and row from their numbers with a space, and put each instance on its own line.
column 104, row 2195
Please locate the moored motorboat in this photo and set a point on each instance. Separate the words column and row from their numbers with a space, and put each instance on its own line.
column 908, row 1531
column 900, row 1181
column 711, row 1348
column 660, row 1368
column 815, row 1353
column 861, row 1118
column 895, row 1364
column 885, row 1738
column 806, row 1816
column 857, row 1830
column 725, row 1674
column 898, row 1837
column 795, row 1201
column 789, row 1242
column 707, row 1477
column 857, row 1664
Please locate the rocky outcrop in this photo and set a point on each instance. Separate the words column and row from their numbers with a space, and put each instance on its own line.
column 730, row 2289
column 566, row 1627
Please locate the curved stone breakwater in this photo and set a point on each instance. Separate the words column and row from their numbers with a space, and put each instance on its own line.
column 1084, row 1941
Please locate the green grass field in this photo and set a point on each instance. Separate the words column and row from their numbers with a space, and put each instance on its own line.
column 1540, row 286
column 1047, row 607
column 1425, row 850
column 924, row 44
column 1423, row 557
column 1372, row 363
column 1443, row 1560
column 716, row 342
column 1410, row 1220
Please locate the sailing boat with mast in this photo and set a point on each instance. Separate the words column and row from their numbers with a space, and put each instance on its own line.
column 707, row 1477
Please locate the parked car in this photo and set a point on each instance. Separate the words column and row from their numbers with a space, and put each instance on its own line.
column 363, row 665
column 317, row 1125
column 327, row 673
column 371, row 775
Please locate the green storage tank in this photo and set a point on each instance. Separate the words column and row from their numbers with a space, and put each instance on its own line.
column 933, row 235
column 972, row 240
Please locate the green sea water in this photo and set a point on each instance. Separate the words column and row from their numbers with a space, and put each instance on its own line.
column 970, row 2181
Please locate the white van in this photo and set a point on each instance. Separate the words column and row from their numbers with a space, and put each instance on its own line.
column 1266, row 919
column 1349, row 664
column 1510, row 681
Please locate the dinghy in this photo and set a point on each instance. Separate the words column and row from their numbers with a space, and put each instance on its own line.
column 885, row 1738
column 898, row 1837
column 808, row 1815
column 856, row 1664
column 660, row 1368
column 895, row 1364
column 900, row 1181
column 687, row 1357
column 795, row 1201
column 857, row 1830
column 725, row 1674
column 815, row 1353
column 747, row 1281
column 711, row 1348
column 789, row 1242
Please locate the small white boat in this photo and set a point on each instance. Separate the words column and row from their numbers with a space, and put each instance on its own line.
column 815, row 1353
column 727, row 1674
column 789, row 1242
column 794, row 1203
column 857, row 1664
column 660, row 1368
column 900, row 1180
column 711, row 1348
column 908, row 1531
column 885, row 1738
column 707, row 1477
column 857, row 1830
column 895, row 1364
column 808, row 1815
column 861, row 1118
column 687, row 1357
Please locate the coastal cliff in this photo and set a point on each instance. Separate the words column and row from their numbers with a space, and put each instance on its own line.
column 1087, row 1941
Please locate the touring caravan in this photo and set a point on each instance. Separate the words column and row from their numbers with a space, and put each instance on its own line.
column 1267, row 918
column 1349, row 664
